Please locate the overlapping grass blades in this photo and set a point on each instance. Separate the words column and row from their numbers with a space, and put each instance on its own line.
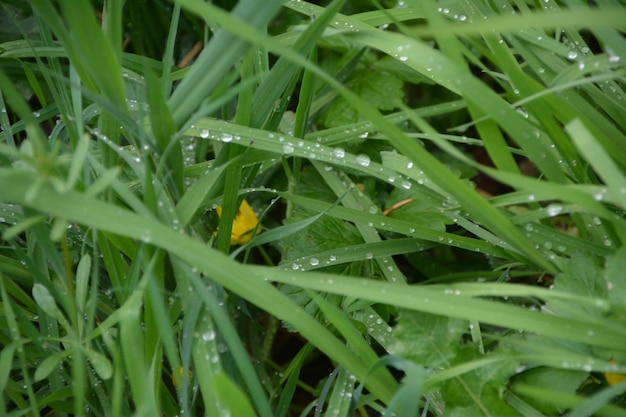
column 110, row 275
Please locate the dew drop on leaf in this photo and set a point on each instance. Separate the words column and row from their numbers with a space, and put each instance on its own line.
column 208, row 336
column 339, row 153
column 363, row 160
column 554, row 209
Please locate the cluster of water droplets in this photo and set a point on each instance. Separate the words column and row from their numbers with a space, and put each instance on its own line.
column 460, row 17
column 136, row 105
column 288, row 145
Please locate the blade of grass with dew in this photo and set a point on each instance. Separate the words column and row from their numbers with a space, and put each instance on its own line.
column 409, row 297
column 549, row 189
column 239, row 352
column 599, row 160
column 341, row 396
column 444, row 71
column 399, row 226
column 220, row 268
column 480, row 208
column 355, row 200
column 354, row 253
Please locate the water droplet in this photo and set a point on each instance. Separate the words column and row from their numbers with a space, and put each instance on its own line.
column 363, row 160
column 208, row 336
column 572, row 55
column 554, row 210
column 369, row 255
column 613, row 58
column 227, row 137
column 204, row 133
column 146, row 237
column 314, row 261
column 288, row 148
column 339, row 153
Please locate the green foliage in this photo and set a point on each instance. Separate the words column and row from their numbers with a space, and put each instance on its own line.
column 439, row 187
column 381, row 89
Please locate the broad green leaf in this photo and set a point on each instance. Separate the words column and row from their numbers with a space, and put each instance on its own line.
column 427, row 339
column 380, row 89
column 326, row 234
column 581, row 276
column 478, row 392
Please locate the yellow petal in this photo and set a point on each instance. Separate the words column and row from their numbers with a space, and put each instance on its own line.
column 614, row 379
column 244, row 223
column 177, row 376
